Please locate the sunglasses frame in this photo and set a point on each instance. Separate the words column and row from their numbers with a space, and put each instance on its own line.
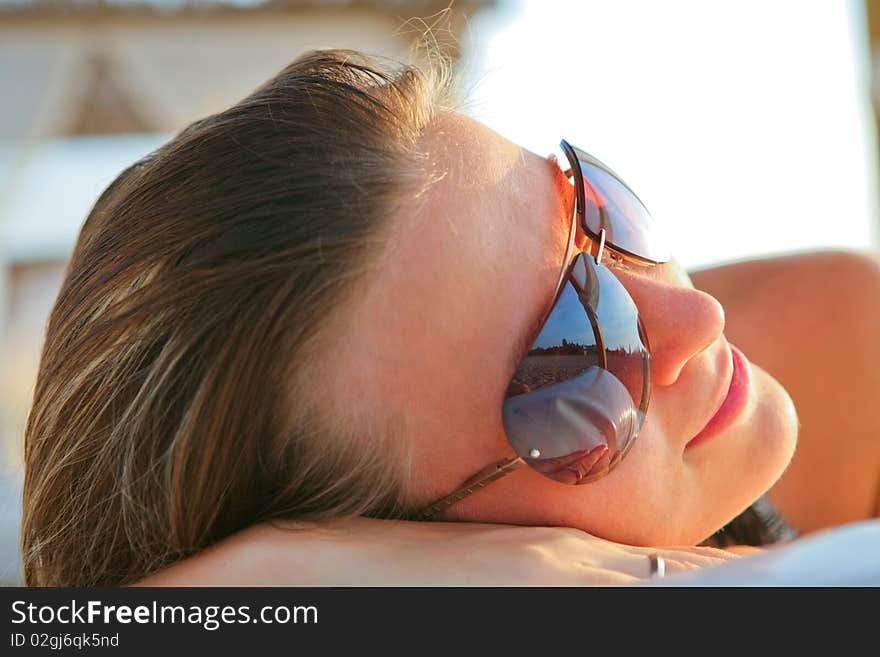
column 496, row 470
column 574, row 171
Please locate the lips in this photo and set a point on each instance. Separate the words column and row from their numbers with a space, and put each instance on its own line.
column 733, row 401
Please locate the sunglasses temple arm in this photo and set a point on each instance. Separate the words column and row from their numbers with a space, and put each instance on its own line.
column 483, row 478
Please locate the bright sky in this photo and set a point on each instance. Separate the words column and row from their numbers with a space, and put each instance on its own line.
column 745, row 125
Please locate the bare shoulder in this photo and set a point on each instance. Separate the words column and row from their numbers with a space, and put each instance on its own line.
column 826, row 270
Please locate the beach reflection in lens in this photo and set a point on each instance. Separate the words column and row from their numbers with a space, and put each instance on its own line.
column 578, row 400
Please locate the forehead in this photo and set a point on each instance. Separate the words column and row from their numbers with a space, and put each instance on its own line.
column 473, row 259
column 492, row 206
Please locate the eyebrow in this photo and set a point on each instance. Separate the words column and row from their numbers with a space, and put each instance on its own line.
column 522, row 345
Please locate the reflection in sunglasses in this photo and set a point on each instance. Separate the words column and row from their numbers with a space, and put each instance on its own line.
column 572, row 430
column 574, row 467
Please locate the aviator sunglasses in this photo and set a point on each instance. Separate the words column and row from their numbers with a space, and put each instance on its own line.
column 578, row 399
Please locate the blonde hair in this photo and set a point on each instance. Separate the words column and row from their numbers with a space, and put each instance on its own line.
column 179, row 396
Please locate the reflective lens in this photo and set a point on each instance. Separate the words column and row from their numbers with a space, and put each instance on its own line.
column 605, row 201
column 578, row 400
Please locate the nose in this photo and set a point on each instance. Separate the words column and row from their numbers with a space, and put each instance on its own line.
column 680, row 321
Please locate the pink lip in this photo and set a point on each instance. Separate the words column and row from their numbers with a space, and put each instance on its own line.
column 733, row 404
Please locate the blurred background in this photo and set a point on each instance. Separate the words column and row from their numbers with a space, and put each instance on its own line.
column 748, row 126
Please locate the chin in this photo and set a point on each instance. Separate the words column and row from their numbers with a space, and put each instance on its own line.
column 751, row 459
column 719, row 478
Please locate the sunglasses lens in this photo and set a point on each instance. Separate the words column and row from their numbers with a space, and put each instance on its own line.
column 605, row 201
column 577, row 402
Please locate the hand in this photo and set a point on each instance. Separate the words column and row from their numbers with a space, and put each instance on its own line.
column 368, row 552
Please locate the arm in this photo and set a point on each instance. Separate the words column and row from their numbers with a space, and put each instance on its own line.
column 368, row 552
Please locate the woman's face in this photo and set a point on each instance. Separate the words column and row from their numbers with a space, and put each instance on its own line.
column 475, row 260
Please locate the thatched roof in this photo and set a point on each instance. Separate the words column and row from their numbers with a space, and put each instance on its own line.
column 409, row 7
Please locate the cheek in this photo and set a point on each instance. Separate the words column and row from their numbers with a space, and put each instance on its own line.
column 638, row 503
column 657, row 496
